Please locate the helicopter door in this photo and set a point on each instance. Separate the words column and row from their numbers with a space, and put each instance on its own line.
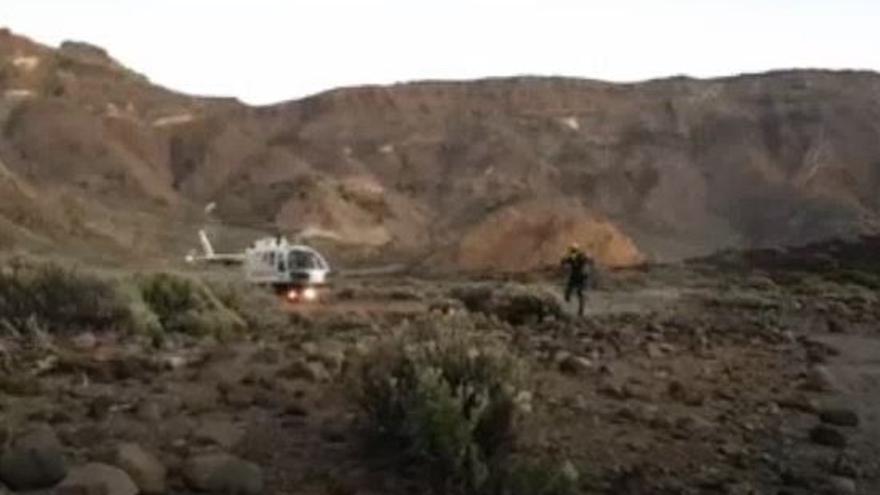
column 282, row 264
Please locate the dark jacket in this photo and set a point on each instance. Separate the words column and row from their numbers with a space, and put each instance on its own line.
column 578, row 264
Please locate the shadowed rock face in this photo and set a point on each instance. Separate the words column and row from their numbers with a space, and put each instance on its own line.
column 492, row 173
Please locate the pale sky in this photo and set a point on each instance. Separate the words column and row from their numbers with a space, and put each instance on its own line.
column 264, row 51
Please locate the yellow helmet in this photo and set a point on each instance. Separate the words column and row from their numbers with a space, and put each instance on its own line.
column 574, row 247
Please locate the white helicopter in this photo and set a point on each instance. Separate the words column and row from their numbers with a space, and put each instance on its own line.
column 296, row 270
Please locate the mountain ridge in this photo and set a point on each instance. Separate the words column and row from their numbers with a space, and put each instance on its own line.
column 495, row 173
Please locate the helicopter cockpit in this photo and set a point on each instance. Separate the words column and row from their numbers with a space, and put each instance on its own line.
column 276, row 262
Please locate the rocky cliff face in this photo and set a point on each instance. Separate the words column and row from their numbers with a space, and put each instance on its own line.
column 487, row 174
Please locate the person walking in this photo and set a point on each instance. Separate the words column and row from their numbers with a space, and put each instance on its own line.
column 577, row 263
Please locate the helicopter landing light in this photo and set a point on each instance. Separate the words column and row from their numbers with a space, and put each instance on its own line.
column 310, row 294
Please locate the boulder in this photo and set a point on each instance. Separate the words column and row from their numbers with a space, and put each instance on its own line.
column 223, row 433
column 34, row 461
column 839, row 417
column 575, row 365
column 313, row 371
column 828, row 436
column 149, row 411
column 223, row 473
column 842, row 486
column 144, row 469
column 97, row 479
column 85, row 341
column 820, row 379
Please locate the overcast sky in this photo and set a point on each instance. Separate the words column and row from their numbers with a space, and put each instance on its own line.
column 265, row 51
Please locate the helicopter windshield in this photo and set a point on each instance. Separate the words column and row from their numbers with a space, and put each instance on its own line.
column 303, row 260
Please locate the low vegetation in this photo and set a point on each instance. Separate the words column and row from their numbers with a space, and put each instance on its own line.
column 51, row 296
column 448, row 407
column 254, row 307
column 187, row 305
column 516, row 304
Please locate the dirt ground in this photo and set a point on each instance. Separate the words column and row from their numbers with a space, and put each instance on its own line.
column 679, row 379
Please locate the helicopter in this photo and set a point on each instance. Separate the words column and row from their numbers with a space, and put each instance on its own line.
column 296, row 271
column 292, row 269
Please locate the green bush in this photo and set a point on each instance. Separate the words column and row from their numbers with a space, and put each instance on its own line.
column 57, row 298
column 446, row 406
column 187, row 305
column 516, row 304
column 258, row 307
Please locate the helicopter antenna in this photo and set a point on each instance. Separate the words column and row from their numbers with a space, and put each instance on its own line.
column 206, row 243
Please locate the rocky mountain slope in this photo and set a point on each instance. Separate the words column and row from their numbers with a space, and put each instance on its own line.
column 499, row 173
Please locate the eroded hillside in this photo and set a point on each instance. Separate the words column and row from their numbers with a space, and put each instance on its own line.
column 495, row 174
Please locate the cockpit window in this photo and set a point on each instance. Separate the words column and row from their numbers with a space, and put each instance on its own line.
column 303, row 260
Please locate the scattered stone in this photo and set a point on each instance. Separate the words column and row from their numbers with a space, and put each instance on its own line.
column 835, row 325
column 828, row 436
column 695, row 424
column 626, row 415
column 34, row 461
column 267, row 355
column 332, row 356
column 296, row 408
column 846, row 466
column 818, row 352
column 677, row 391
column 267, row 399
column 820, row 379
column 85, row 341
column 732, row 451
column 654, row 350
column 145, row 469
column 308, row 370
column 842, row 486
column 560, row 355
column 222, row 433
column 839, row 417
column 96, row 478
column 575, row 365
column 125, row 428
column 176, row 427
column 797, row 479
column 800, row 403
column 223, row 473
column 332, row 433
column 199, row 399
column 239, row 397
column 149, row 411
column 100, row 407
column 615, row 390
column 310, row 349
column 654, row 327
column 82, row 433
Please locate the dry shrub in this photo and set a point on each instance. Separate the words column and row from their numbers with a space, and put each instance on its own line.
column 516, row 304
column 57, row 298
column 447, row 406
column 258, row 307
column 187, row 305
